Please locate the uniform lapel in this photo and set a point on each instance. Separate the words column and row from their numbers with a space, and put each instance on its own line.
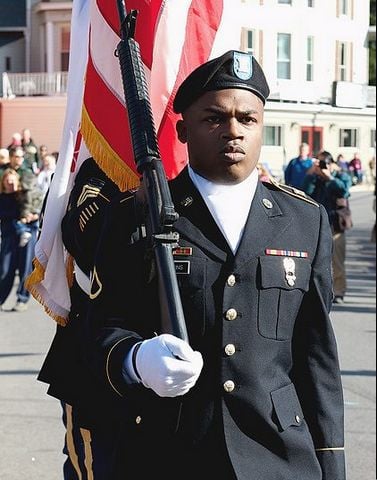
column 196, row 222
column 265, row 223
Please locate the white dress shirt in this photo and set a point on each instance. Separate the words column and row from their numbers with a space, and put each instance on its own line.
column 229, row 204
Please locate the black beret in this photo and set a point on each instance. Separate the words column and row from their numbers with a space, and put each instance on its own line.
column 231, row 70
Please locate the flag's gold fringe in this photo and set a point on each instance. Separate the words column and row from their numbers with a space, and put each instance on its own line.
column 70, row 270
column 36, row 277
column 107, row 159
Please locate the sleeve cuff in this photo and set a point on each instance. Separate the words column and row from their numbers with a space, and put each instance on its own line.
column 115, row 364
column 129, row 373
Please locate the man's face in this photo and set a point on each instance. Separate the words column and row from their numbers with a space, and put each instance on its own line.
column 304, row 152
column 17, row 159
column 223, row 130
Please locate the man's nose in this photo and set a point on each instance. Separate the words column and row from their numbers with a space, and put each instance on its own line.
column 232, row 129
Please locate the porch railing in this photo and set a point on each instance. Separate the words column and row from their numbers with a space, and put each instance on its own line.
column 32, row 84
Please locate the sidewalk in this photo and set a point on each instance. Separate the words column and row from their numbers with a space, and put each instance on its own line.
column 31, row 433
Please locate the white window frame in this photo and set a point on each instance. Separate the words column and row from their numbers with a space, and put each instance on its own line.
column 277, row 135
column 286, row 61
column 310, row 58
column 373, row 138
column 354, row 137
column 255, row 48
column 344, row 7
column 344, row 61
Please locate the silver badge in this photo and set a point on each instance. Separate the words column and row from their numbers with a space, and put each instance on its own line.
column 267, row 203
column 243, row 65
column 290, row 271
column 187, row 202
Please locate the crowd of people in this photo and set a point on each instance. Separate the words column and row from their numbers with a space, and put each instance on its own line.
column 295, row 172
column 25, row 175
column 328, row 181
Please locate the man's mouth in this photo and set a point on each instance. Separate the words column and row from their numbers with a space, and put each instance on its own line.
column 233, row 153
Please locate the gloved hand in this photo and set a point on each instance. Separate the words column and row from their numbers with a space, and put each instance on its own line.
column 167, row 365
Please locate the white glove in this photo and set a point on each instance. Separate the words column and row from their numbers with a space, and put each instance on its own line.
column 167, row 365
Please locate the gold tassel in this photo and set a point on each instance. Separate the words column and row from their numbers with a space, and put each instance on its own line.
column 36, row 277
column 70, row 270
column 106, row 158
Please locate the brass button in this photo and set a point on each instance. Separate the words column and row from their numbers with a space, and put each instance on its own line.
column 231, row 281
column 229, row 386
column 138, row 420
column 298, row 419
column 267, row 203
column 230, row 350
column 231, row 314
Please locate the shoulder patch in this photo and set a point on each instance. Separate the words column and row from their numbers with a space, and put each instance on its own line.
column 294, row 192
column 91, row 189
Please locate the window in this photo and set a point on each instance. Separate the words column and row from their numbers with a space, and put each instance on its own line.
column 310, row 3
column 285, row 2
column 348, row 137
column 344, row 7
column 248, row 41
column 252, row 42
column 284, row 56
column 373, row 138
column 310, row 59
column 272, row 136
column 344, row 61
column 64, row 52
column 8, row 64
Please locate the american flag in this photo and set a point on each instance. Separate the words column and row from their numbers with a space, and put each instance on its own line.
column 175, row 36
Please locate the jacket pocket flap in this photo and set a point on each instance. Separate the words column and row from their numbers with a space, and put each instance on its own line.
column 275, row 273
column 287, row 407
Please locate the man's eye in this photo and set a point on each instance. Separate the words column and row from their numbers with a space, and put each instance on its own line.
column 213, row 119
column 248, row 120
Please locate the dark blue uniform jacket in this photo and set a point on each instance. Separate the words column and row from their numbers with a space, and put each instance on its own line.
column 268, row 404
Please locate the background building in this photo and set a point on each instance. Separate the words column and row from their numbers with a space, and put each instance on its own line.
column 316, row 55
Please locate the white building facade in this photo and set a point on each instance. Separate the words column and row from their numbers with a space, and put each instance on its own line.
column 316, row 59
column 314, row 53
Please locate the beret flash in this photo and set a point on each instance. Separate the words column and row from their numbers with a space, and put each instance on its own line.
column 231, row 70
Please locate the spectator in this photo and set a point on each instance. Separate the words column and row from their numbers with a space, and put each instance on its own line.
column 31, row 151
column 16, row 141
column 356, row 169
column 43, row 151
column 10, row 203
column 4, row 159
column 328, row 185
column 46, row 173
column 342, row 163
column 16, row 160
column 296, row 169
column 263, row 173
column 30, row 208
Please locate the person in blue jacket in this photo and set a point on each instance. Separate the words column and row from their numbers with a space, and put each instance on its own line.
column 295, row 172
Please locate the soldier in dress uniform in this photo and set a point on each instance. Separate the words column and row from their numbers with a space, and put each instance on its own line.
column 257, row 393
column 63, row 368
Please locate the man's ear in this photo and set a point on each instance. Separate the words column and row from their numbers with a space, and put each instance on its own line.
column 181, row 131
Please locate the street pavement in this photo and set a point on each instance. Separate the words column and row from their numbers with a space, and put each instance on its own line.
column 31, row 433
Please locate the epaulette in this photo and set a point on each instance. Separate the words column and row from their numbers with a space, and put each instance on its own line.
column 294, row 192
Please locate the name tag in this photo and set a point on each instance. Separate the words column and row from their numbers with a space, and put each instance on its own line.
column 182, row 267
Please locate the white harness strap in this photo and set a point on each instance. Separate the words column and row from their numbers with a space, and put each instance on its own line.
column 83, row 281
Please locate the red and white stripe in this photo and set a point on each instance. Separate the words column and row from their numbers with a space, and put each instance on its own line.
column 175, row 37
